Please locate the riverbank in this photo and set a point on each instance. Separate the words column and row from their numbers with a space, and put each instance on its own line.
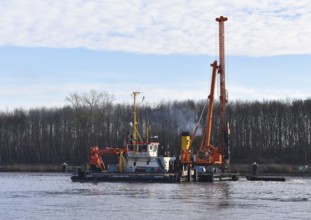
column 19, row 167
column 240, row 168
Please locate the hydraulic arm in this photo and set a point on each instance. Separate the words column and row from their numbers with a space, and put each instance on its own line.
column 96, row 161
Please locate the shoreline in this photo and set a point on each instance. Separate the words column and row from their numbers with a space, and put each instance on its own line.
column 277, row 169
column 21, row 167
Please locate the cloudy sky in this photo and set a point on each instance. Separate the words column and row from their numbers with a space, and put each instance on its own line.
column 51, row 48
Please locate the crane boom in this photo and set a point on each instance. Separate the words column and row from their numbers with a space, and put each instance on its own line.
column 208, row 154
column 211, row 107
column 204, row 152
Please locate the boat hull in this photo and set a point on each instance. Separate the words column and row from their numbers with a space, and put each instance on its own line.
column 265, row 178
column 125, row 177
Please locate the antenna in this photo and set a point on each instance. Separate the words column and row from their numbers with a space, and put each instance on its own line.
column 135, row 124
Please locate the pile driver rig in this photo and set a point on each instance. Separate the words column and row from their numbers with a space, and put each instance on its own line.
column 214, row 160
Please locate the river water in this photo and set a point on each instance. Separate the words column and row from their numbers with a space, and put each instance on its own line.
column 54, row 196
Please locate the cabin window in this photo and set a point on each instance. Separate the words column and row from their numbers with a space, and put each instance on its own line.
column 140, row 148
column 145, row 148
column 155, row 148
column 134, row 164
column 150, row 147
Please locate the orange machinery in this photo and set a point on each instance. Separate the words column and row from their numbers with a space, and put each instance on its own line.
column 96, row 161
column 95, row 154
column 208, row 154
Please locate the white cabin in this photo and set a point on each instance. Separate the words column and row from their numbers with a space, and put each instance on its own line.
column 143, row 157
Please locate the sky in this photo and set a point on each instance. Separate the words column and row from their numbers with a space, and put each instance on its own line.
column 53, row 48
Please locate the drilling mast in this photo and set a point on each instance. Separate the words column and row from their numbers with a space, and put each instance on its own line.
column 224, row 126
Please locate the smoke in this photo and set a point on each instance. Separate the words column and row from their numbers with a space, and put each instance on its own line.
column 185, row 119
column 176, row 117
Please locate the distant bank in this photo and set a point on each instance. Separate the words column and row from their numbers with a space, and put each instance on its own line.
column 241, row 168
column 19, row 167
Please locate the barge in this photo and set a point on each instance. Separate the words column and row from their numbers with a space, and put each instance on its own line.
column 139, row 160
column 255, row 177
column 84, row 176
column 265, row 178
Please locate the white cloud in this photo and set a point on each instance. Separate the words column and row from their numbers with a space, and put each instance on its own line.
column 256, row 28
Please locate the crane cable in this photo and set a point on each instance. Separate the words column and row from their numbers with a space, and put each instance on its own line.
column 197, row 126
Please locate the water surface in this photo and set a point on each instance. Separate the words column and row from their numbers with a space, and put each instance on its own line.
column 54, row 196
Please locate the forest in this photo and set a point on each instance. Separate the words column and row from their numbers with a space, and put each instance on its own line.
column 263, row 131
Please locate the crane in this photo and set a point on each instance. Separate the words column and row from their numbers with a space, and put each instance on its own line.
column 96, row 162
column 208, row 154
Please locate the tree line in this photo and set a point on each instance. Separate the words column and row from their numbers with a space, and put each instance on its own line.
column 266, row 131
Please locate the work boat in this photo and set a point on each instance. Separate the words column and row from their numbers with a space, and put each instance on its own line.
column 138, row 161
